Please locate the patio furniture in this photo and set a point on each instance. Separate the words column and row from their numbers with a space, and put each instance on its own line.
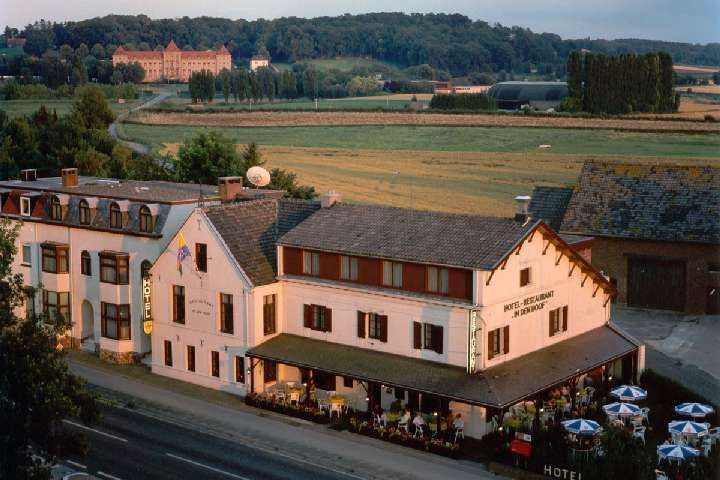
column 335, row 408
column 706, row 446
column 688, row 428
column 419, row 431
column 645, row 412
column 295, row 397
column 677, row 452
column 628, row 393
column 694, row 409
column 460, row 432
column 660, row 475
column 714, row 434
column 581, row 426
column 639, row 432
column 622, row 409
column 322, row 405
column 403, row 426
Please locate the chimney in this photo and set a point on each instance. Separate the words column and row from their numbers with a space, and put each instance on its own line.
column 522, row 212
column 28, row 175
column 328, row 199
column 230, row 187
column 69, row 177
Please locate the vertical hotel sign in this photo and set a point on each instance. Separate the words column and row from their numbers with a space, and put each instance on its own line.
column 472, row 343
column 147, row 304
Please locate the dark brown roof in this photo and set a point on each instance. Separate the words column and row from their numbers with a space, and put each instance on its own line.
column 549, row 204
column 496, row 387
column 250, row 231
column 152, row 191
column 649, row 202
column 469, row 241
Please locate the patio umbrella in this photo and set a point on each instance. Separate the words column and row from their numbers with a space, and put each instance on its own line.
column 695, row 410
column 580, row 426
column 677, row 452
column 687, row 427
column 620, row 409
column 629, row 393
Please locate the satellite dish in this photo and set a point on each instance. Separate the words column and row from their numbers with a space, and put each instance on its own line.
column 258, row 176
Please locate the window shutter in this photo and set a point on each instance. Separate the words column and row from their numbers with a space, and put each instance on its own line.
column 417, row 335
column 361, row 324
column 437, row 336
column 383, row 328
column 550, row 323
column 506, row 331
column 565, row 318
column 308, row 316
column 328, row 320
column 491, row 353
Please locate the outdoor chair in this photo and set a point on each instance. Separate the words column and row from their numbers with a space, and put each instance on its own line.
column 460, row 432
column 645, row 412
column 660, row 475
column 714, row 434
column 403, row 426
column 323, row 405
column 707, row 445
column 419, row 431
column 335, row 408
column 639, row 432
column 590, row 392
column 295, row 397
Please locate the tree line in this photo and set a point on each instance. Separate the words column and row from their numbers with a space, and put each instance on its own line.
column 463, row 101
column 620, row 84
column 449, row 42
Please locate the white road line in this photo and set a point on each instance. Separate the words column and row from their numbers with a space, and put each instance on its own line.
column 207, row 466
column 330, row 469
column 75, row 464
column 96, row 431
column 107, row 475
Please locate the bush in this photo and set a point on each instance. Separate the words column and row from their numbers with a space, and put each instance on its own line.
column 709, row 118
column 464, row 101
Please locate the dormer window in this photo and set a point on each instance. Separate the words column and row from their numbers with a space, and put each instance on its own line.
column 84, row 212
column 115, row 216
column 25, row 206
column 146, row 220
column 55, row 208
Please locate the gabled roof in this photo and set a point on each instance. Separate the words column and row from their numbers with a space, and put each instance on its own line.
column 650, row 202
column 469, row 241
column 549, row 204
column 172, row 47
column 250, row 231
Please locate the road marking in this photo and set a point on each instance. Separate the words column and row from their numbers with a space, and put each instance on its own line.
column 75, row 464
column 107, row 475
column 207, row 466
column 93, row 430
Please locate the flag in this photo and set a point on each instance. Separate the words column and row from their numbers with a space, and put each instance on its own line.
column 183, row 251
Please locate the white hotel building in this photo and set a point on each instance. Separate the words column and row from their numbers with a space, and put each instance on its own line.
column 443, row 311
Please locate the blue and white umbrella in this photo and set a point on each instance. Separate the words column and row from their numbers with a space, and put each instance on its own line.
column 620, row 409
column 687, row 427
column 677, row 452
column 580, row 426
column 695, row 410
column 629, row 393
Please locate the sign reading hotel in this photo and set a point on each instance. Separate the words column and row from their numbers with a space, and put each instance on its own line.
column 472, row 343
column 529, row 304
column 147, row 304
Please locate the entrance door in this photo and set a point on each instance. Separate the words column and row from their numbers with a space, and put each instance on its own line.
column 713, row 301
column 375, row 395
column 88, row 322
column 656, row 283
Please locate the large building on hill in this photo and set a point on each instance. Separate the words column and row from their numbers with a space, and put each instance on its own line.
column 173, row 63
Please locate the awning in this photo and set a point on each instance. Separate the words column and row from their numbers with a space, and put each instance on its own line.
column 496, row 387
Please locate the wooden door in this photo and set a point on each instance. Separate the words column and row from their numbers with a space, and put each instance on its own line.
column 656, row 283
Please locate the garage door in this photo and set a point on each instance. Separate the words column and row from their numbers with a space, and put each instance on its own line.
column 656, row 283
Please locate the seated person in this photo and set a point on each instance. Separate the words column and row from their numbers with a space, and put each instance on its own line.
column 458, row 423
column 418, row 421
column 405, row 418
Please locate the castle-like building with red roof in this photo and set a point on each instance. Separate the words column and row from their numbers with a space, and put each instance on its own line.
column 172, row 63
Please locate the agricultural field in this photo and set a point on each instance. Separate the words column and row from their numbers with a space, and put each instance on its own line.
column 391, row 102
column 18, row 108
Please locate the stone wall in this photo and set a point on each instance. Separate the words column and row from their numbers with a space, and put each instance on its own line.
column 121, row 358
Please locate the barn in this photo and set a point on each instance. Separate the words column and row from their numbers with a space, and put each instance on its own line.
column 538, row 95
column 656, row 230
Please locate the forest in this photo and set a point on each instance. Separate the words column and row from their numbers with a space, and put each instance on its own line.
column 447, row 42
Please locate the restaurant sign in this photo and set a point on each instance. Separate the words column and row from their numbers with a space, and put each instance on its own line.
column 147, row 304
column 564, row 473
column 529, row 304
column 201, row 307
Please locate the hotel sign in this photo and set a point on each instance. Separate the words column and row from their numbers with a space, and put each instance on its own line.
column 557, row 472
column 472, row 342
column 147, row 304
column 529, row 304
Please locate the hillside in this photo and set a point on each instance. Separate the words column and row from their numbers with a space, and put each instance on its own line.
column 449, row 42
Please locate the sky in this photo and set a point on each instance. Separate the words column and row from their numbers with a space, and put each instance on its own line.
column 694, row 21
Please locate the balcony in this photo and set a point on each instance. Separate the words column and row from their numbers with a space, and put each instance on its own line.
column 55, row 282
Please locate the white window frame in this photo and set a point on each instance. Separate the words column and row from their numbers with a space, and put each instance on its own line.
column 27, row 255
column 25, row 210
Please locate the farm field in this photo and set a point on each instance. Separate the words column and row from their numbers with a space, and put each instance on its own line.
column 359, row 103
column 448, row 138
column 17, row 108
column 472, row 182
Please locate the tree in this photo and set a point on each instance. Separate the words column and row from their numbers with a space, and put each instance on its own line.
column 93, row 163
column 574, row 76
column 37, row 392
column 624, row 457
column 283, row 180
column 226, row 82
column 98, row 51
column 205, row 157
column 91, row 109
column 311, row 82
column 119, row 162
column 146, row 167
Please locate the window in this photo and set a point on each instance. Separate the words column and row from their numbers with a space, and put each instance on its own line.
column 55, row 208
column 191, row 358
column 438, row 280
column 239, row 369
column 324, row 380
column 114, row 268
column 377, row 326
column 168, row 353
column 55, row 258
column 428, row 336
column 226, row 313
column 115, row 321
column 215, row 363
column 525, row 277
column 348, row 268
column 269, row 314
column 178, row 304
column 84, row 212
column 269, row 371
column 115, row 216
column 392, row 274
column 558, row 320
column 29, row 303
column 85, row 263
column 145, row 268
column 25, row 206
column 201, row 257
column 27, row 254
column 311, row 263
column 498, row 342
column 318, row 317
column 56, row 303
column 347, row 382
column 146, row 220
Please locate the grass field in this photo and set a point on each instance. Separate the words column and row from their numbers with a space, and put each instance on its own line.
column 448, row 138
column 344, row 64
column 17, row 108
column 389, row 102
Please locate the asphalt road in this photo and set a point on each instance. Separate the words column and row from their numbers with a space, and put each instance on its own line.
column 126, row 445
column 138, row 147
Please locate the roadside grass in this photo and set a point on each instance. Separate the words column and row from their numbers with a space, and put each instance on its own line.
column 19, row 108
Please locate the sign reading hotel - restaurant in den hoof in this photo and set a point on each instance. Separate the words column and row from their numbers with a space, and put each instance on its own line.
column 529, row 304
column 147, row 305
column 201, row 306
